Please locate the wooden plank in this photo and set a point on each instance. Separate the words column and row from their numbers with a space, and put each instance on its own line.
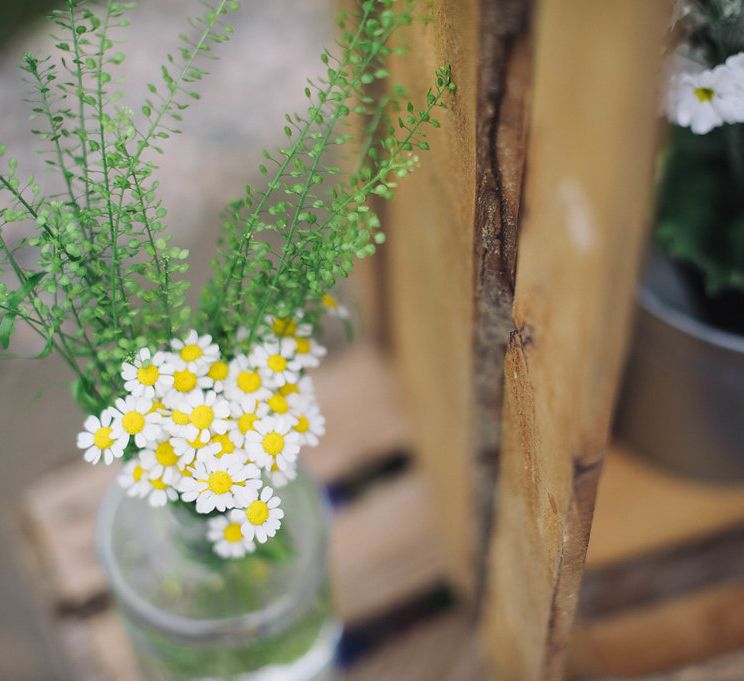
column 722, row 668
column 384, row 549
column 589, row 165
column 683, row 510
column 443, row 649
column 429, row 259
column 660, row 636
column 361, row 402
column 667, row 573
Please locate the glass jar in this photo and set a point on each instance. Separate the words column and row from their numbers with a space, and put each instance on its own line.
column 193, row 616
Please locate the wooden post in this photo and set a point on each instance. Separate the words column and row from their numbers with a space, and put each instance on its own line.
column 589, row 171
column 450, row 260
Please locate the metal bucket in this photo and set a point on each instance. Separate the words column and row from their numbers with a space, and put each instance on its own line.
column 682, row 404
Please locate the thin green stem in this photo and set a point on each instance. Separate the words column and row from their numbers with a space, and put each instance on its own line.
column 292, row 154
column 83, row 132
column 156, row 258
column 113, row 225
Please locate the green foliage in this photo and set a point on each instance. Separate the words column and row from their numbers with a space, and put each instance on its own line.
column 700, row 212
column 285, row 246
column 105, row 279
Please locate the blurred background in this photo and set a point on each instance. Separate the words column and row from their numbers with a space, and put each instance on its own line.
column 244, row 99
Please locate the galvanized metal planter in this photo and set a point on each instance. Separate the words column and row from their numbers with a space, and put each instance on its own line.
column 682, row 404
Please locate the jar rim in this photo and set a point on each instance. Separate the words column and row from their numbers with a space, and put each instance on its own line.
column 269, row 620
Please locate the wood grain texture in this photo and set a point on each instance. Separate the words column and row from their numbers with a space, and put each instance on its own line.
column 590, row 158
column 429, row 258
column 501, row 131
column 660, row 636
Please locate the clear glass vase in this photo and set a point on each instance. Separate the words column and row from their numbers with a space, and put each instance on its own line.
column 193, row 616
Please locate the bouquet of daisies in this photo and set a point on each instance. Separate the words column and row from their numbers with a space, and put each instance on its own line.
column 217, row 430
column 208, row 408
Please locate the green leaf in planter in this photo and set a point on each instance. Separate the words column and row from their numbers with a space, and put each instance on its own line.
column 700, row 209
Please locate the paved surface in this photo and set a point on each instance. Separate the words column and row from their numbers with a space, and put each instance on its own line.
column 261, row 76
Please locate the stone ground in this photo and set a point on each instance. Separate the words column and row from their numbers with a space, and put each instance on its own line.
column 261, row 76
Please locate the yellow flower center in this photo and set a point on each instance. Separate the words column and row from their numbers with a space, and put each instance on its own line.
column 187, row 472
column 184, row 381
column 278, row 404
column 197, row 444
column 202, row 416
column 102, row 439
column 273, row 443
column 192, row 352
column 156, row 406
column 218, row 371
column 257, row 512
column 288, row 389
column 165, row 454
column 249, row 381
column 704, row 94
column 180, row 418
column 303, row 425
column 228, row 446
column 148, row 375
column 158, row 483
column 329, row 301
column 133, row 422
column 276, row 363
column 284, row 326
column 219, row 482
column 303, row 345
column 245, row 422
column 233, row 533
column 137, row 473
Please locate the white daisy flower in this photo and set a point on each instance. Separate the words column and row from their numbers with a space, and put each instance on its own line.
column 281, row 478
column 276, row 362
column 134, row 478
column 218, row 372
column 161, row 488
column 161, row 458
column 705, row 100
column 198, row 352
column 220, row 483
column 98, row 439
column 244, row 380
column 278, row 404
column 262, row 516
column 245, row 413
column 307, row 352
column 310, row 422
column 304, row 387
column 286, row 327
column 272, row 441
column 188, row 450
column 228, row 443
column 227, row 536
column 147, row 376
column 207, row 413
column 133, row 417
column 186, row 380
column 333, row 307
